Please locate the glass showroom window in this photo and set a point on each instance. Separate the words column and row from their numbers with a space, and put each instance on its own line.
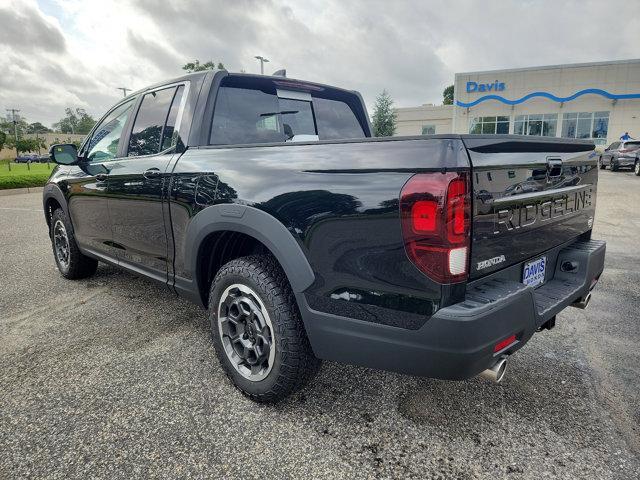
column 593, row 125
column 542, row 125
column 428, row 130
column 489, row 125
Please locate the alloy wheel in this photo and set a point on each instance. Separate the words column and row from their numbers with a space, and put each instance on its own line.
column 246, row 332
column 61, row 243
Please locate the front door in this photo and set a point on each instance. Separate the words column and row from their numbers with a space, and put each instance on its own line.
column 138, row 184
column 88, row 183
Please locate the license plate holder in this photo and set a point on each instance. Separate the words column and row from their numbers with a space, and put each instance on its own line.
column 534, row 272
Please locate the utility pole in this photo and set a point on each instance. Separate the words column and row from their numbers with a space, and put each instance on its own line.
column 262, row 62
column 15, row 126
column 124, row 90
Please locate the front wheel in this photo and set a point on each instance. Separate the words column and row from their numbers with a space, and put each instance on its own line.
column 636, row 168
column 71, row 262
column 613, row 165
column 601, row 164
column 257, row 331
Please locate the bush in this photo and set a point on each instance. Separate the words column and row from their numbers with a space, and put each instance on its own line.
column 23, row 181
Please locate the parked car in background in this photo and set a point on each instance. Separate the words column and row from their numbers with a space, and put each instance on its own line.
column 33, row 158
column 620, row 155
column 26, row 158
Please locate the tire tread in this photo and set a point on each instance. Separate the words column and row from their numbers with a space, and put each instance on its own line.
column 298, row 365
column 80, row 266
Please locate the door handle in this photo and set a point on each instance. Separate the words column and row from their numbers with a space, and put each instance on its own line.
column 152, row 173
column 101, row 177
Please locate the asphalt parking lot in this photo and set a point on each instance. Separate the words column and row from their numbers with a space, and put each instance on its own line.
column 112, row 377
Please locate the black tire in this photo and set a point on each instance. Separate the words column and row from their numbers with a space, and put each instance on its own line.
column 613, row 165
column 76, row 265
column 636, row 167
column 601, row 164
column 293, row 363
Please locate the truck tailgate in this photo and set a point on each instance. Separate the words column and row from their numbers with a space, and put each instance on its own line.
column 529, row 195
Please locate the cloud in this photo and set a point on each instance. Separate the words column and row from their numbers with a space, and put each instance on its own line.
column 25, row 28
column 79, row 51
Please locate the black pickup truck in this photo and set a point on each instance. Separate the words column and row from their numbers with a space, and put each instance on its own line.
column 265, row 200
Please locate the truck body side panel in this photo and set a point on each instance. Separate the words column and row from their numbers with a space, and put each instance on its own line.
column 340, row 202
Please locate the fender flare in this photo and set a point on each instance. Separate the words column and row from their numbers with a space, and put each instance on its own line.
column 51, row 190
column 257, row 224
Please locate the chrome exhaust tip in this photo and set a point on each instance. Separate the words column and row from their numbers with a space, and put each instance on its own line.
column 496, row 373
column 583, row 302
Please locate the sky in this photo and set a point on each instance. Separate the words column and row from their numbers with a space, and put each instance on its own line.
column 76, row 53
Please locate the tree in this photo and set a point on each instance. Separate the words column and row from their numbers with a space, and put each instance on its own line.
column 3, row 139
column 200, row 67
column 26, row 144
column 37, row 127
column 78, row 121
column 384, row 117
column 77, row 143
column 447, row 95
column 7, row 126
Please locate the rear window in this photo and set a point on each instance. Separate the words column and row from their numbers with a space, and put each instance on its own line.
column 632, row 144
column 244, row 115
column 251, row 110
column 336, row 120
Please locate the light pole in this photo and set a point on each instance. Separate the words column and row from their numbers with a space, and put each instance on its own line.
column 262, row 62
column 124, row 90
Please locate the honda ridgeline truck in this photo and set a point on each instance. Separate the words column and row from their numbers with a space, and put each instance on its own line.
column 267, row 201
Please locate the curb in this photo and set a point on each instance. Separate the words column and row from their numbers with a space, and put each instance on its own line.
column 18, row 191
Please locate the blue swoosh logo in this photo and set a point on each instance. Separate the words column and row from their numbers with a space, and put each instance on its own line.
column 551, row 96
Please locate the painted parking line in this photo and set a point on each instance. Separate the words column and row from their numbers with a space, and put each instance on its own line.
column 21, row 209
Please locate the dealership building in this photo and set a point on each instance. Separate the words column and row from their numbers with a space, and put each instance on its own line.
column 598, row 101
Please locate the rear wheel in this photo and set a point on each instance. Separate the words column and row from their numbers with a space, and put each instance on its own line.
column 636, row 168
column 257, row 331
column 71, row 263
column 613, row 165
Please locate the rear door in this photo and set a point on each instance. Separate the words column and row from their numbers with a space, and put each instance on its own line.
column 137, row 182
column 529, row 196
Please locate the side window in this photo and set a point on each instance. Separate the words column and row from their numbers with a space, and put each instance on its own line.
column 149, row 125
column 614, row 145
column 106, row 137
column 244, row 115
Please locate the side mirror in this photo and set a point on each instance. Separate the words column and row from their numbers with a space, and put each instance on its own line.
column 64, row 154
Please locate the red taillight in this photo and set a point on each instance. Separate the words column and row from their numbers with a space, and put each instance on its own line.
column 504, row 343
column 435, row 211
column 423, row 216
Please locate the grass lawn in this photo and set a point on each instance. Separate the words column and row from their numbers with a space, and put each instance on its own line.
column 21, row 176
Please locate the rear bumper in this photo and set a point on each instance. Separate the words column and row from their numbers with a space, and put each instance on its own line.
column 458, row 341
column 625, row 161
